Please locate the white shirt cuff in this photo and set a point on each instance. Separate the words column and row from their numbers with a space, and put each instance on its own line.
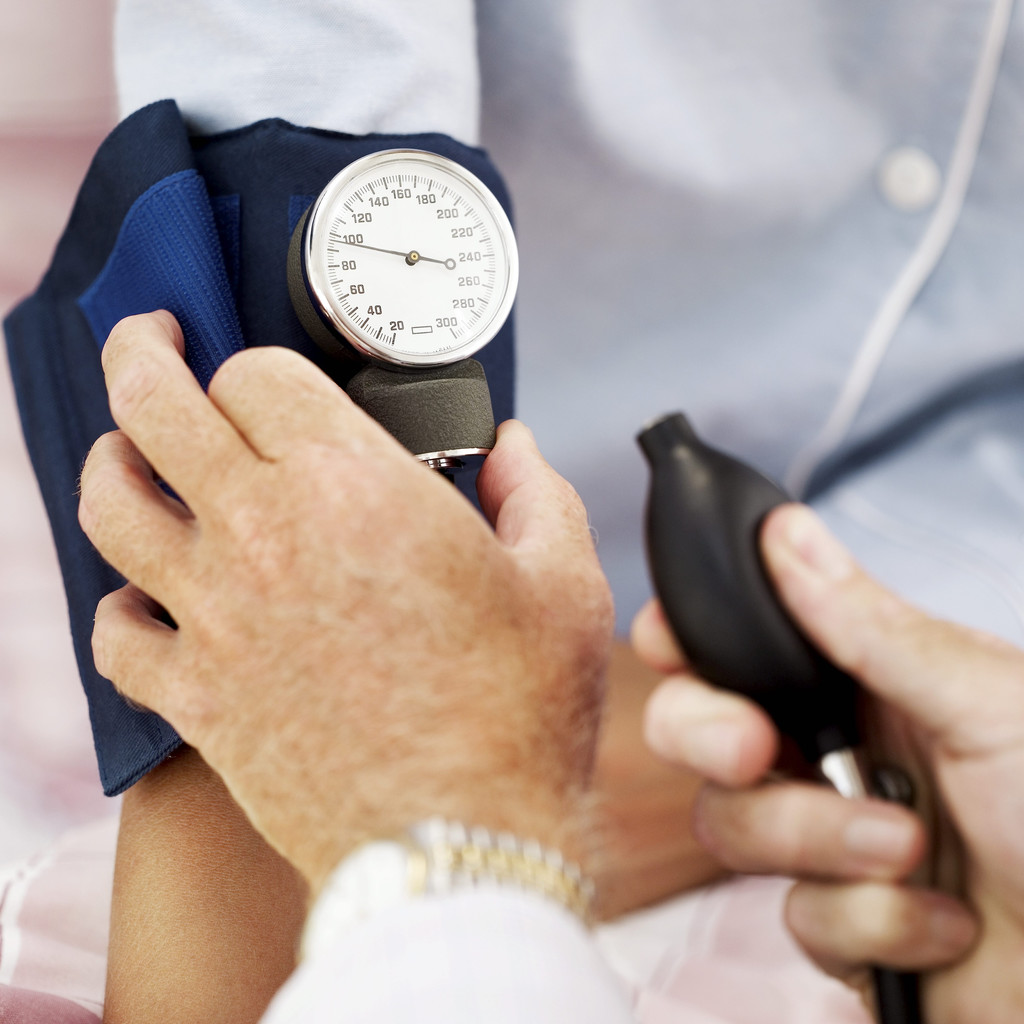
column 497, row 955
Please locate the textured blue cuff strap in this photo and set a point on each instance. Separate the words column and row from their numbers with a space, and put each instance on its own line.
column 168, row 254
column 199, row 226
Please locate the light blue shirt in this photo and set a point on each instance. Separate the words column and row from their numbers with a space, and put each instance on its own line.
column 801, row 222
column 702, row 226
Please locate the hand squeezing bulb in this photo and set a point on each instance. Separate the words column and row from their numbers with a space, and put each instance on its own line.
column 704, row 516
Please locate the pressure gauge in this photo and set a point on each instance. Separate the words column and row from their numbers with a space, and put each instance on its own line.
column 406, row 257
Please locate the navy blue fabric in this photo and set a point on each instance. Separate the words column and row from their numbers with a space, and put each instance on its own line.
column 168, row 254
column 297, row 206
column 227, row 214
column 200, row 226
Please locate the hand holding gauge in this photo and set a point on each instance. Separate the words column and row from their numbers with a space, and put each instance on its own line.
column 361, row 285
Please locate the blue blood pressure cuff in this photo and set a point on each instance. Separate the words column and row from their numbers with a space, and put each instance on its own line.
column 199, row 226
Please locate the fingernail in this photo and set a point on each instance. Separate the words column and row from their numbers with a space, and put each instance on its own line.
column 879, row 841
column 815, row 546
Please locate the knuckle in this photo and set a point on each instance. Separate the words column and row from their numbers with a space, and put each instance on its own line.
column 107, row 630
column 794, row 845
column 99, row 494
column 133, row 384
column 87, row 516
column 102, row 653
column 803, row 822
column 886, row 919
column 102, row 449
column 90, row 499
column 276, row 358
column 235, row 369
column 104, row 472
column 764, row 829
column 125, row 334
column 119, row 338
column 887, row 621
column 268, row 361
column 730, row 825
column 108, row 648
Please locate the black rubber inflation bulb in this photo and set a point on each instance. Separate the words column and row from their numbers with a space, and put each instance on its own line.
column 704, row 515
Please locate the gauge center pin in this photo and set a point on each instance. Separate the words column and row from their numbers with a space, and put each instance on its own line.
column 413, row 258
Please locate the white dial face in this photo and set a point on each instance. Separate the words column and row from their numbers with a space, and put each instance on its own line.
column 411, row 258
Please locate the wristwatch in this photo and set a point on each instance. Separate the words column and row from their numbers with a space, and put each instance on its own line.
column 433, row 858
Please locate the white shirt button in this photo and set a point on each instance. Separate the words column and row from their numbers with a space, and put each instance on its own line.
column 909, row 179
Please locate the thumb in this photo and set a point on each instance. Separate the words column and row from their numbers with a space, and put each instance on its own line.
column 526, row 501
column 964, row 687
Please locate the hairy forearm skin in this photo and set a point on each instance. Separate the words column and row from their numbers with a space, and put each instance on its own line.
column 206, row 917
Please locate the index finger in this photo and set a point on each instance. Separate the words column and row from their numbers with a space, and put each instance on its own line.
column 964, row 687
column 719, row 735
column 156, row 400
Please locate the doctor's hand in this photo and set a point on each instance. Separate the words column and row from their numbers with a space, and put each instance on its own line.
column 355, row 649
column 956, row 699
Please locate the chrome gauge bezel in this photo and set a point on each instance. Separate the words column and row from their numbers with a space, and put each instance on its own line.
column 314, row 251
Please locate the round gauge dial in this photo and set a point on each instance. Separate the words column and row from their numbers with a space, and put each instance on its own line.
column 410, row 258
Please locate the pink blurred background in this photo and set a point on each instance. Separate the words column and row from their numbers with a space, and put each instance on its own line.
column 56, row 104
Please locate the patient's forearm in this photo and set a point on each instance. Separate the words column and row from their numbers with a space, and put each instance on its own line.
column 206, row 917
column 644, row 805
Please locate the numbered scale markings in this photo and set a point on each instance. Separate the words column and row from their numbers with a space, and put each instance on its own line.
column 410, row 258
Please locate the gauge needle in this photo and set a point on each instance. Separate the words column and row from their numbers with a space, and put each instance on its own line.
column 412, row 257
